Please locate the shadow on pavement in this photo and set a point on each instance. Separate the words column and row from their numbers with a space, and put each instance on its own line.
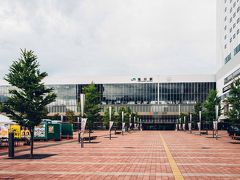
column 35, row 156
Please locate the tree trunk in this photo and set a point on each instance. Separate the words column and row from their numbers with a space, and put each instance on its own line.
column 31, row 141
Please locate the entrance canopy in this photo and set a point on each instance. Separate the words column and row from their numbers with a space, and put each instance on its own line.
column 5, row 120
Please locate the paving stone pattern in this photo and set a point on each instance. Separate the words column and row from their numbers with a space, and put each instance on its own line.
column 137, row 155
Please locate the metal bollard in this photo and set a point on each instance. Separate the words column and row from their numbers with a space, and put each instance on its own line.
column 11, row 145
column 79, row 138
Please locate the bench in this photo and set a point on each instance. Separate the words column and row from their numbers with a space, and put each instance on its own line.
column 118, row 132
column 235, row 137
column 91, row 138
column 204, row 132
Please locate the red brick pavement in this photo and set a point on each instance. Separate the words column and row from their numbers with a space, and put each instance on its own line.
column 138, row 155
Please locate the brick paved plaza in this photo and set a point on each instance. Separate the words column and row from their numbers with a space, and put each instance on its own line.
column 138, row 155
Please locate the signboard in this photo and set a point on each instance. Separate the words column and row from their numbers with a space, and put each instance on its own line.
column 83, row 125
column 16, row 129
column 39, row 131
column 123, row 126
column 199, row 127
column 179, row 126
column 25, row 134
column 3, row 131
column 183, row 127
column 110, row 125
column 50, row 129
column 82, row 101
column 189, row 126
column 215, row 124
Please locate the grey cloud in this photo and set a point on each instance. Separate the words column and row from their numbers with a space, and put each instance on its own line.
column 106, row 37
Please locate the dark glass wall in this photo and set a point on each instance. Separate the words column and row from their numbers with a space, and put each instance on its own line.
column 147, row 93
column 140, row 97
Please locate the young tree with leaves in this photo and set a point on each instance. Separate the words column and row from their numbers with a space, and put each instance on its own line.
column 29, row 98
column 92, row 105
column 209, row 105
column 70, row 116
column 234, row 102
column 195, row 115
column 126, row 117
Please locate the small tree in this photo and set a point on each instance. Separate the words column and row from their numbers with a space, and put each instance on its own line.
column 126, row 117
column 92, row 105
column 70, row 116
column 27, row 102
column 209, row 105
column 195, row 115
column 234, row 101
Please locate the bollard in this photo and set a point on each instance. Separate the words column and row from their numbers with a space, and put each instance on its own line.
column 11, row 145
column 79, row 138
column 82, row 143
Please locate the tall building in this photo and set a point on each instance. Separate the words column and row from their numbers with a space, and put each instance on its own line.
column 228, row 44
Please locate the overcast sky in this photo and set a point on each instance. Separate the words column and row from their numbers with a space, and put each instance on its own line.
column 110, row 37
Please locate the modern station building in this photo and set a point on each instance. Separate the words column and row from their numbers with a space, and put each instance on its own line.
column 157, row 100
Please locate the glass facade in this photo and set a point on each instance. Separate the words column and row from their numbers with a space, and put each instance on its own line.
column 154, row 102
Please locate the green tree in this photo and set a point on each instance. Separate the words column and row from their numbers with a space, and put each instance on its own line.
column 70, row 116
column 209, row 105
column 92, row 105
column 234, row 102
column 106, row 117
column 27, row 102
column 126, row 117
column 182, row 115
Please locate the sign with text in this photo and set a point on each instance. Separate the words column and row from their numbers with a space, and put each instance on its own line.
column 83, row 125
column 199, row 126
column 25, row 134
column 189, row 126
column 16, row 129
column 215, row 125
column 39, row 131
column 123, row 126
column 110, row 125
column 3, row 131
column 50, row 129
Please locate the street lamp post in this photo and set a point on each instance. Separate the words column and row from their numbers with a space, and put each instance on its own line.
column 184, row 123
column 190, row 125
column 215, row 127
column 78, row 121
column 179, row 119
column 200, row 122
column 82, row 101
column 130, row 121
column 110, row 118
column 122, row 121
